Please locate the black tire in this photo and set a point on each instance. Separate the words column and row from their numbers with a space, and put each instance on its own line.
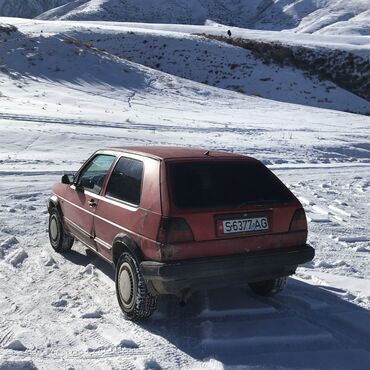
column 59, row 239
column 132, row 293
column 269, row 287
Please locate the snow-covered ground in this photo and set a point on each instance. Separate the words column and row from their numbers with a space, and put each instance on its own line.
column 60, row 101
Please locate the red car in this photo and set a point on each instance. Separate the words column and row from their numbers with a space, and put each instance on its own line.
column 172, row 220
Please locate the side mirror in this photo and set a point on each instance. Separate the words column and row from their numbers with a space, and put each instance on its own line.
column 67, row 179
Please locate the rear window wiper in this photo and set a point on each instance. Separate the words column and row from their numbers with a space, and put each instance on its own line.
column 257, row 201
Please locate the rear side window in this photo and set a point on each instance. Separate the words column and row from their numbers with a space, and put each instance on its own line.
column 224, row 184
column 125, row 181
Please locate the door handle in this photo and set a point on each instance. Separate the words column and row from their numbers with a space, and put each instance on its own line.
column 92, row 203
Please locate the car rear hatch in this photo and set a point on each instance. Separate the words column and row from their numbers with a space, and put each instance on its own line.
column 229, row 206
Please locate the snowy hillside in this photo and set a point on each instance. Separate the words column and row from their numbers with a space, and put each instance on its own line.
column 228, row 66
column 358, row 25
column 323, row 16
column 331, row 15
column 60, row 99
column 314, row 74
column 330, row 74
column 27, row 8
column 303, row 15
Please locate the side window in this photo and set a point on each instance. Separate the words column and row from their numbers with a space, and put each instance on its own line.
column 93, row 175
column 125, row 181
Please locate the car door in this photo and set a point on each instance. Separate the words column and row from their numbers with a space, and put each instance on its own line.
column 82, row 197
column 119, row 211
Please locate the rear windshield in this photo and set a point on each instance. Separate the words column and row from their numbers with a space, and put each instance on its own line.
column 224, row 184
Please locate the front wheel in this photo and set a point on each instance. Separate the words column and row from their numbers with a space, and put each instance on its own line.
column 269, row 287
column 59, row 240
column 132, row 293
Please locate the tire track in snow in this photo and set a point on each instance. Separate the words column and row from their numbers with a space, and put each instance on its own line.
column 301, row 319
column 131, row 125
column 5, row 335
column 323, row 316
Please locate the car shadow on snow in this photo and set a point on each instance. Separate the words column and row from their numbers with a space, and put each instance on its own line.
column 305, row 326
column 80, row 255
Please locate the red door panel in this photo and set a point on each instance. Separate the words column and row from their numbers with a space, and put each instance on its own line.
column 78, row 211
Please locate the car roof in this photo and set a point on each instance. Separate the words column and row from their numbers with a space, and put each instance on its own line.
column 175, row 152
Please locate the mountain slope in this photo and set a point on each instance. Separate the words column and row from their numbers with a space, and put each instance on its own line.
column 270, row 69
column 229, row 67
column 327, row 16
column 301, row 15
column 337, row 11
column 27, row 8
column 358, row 25
column 308, row 15
column 159, row 11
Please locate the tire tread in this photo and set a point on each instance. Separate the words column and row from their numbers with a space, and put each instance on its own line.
column 65, row 241
column 145, row 303
column 269, row 287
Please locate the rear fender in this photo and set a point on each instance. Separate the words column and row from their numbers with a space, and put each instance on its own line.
column 123, row 243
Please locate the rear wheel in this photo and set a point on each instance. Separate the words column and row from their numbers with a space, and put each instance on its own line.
column 269, row 287
column 132, row 293
column 59, row 240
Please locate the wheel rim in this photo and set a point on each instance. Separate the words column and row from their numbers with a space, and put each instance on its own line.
column 54, row 229
column 126, row 285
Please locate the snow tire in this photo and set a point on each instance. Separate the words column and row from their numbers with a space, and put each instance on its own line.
column 133, row 296
column 59, row 239
column 269, row 287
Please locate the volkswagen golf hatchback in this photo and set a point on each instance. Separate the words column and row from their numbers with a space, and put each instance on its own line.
column 173, row 220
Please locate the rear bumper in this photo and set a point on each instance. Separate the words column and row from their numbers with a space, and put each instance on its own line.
column 176, row 277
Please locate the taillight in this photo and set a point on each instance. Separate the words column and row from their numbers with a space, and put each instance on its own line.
column 299, row 222
column 174, row 230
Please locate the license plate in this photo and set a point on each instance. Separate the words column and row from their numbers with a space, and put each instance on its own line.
column 245, row 225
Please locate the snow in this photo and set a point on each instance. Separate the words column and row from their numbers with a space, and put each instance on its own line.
column 17, row 257
column 27, row 8
column 17, row 365
column 329, row 17
column 16, row 345
column 173, row 48
column 94, row 314
column 6, row 244
column 322, row 16
column 61, row 100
